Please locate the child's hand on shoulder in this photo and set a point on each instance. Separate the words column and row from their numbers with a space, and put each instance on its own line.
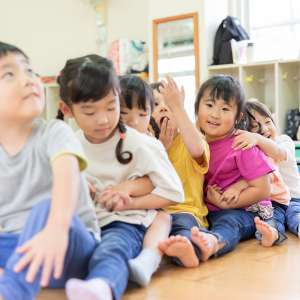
column 245, row 140
column 46, row 251
column 173, row 96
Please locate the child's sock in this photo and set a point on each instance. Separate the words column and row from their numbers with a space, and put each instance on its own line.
column 143, row 266
column 93, row 289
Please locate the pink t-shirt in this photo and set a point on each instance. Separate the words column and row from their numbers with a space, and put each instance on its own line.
column 227, row 166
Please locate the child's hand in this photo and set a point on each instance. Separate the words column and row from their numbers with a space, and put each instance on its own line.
column 245, row 140
column 214, row 195
column 92, row 190
column 231, row 195
column 113, row 199
column 167, row 133
column 45, row 250
column 173, row 96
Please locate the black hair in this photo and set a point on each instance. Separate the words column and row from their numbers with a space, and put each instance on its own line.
column 156, row 86
column 133, row 88
column 88, row 79
column 250, row 106
column 223, row 87
column 6, row 49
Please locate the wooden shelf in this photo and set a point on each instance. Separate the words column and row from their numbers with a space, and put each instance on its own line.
column 276, row 83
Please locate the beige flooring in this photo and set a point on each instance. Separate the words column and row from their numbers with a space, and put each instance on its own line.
column 250, row 272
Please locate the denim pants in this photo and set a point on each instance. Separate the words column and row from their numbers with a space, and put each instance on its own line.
column 279, row 213
column 277, row 221
column 231, row 226
column 120, row 242
column 181, row 225
column 13, row 286
column 293, row 216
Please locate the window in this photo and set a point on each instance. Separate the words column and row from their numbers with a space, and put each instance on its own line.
column 274, row 27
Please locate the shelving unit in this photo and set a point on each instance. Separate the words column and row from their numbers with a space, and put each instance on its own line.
column 275, row 83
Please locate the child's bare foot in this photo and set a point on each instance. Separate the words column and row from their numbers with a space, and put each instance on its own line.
column 180, row 247
column 268, row 233
column 207, row 243
column 1, row 272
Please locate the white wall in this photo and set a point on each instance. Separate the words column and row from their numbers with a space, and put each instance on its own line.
column 127, row 19
column 210, row 13
column 213, row 18
column 49, row 31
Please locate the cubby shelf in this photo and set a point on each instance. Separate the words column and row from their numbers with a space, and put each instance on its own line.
column 276, row 83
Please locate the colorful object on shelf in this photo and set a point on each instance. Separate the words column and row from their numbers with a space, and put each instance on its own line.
column 297, row 154
column 285, row 76
column 249, row 79
column 129, row 56
column 48, row 79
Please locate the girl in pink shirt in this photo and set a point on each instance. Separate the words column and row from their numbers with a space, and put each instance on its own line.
column 218, row 108
column 261, row 132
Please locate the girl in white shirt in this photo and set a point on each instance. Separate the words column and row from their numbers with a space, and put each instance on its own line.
column 89, row 89
column 281, row 149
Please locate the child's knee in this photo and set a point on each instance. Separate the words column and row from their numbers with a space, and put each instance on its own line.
column 163, row 218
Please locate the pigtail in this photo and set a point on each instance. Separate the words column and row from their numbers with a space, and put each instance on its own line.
column 124, row 157
column 154, row 127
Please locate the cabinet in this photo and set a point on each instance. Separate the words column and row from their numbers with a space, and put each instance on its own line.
column 275, row 83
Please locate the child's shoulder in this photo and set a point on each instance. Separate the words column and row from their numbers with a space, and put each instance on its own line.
column 283, row 138
column 137, row 140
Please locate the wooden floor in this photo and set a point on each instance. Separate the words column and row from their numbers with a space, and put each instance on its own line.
column 250, row 272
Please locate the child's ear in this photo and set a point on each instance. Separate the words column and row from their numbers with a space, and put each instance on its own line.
column 65, row 109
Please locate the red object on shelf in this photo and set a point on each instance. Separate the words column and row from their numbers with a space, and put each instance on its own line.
column 48, row 79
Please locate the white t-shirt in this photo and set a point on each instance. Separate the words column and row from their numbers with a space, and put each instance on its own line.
column 149, row 159
column 288, row 168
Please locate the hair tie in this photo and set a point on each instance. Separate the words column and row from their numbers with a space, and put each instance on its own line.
column 122, row 135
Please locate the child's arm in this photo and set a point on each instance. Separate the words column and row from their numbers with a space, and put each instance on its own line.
column 232, row 193
column 47, row 248
column 245, row 140
column 137, row 187
column 149, row 201
column 192, row 137
column 116, row 197
column 120, row 201
column 257, row 190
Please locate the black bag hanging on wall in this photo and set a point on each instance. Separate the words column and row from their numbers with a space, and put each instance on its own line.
column 292, row 123
column 230, row 28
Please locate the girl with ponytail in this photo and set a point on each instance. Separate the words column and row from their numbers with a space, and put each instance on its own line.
column 121, row 162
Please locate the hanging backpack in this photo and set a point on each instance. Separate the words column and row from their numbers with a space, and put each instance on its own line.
column 230, row 28
column 292, row 123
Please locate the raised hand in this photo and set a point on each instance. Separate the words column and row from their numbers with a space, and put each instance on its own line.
column 173, row 96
